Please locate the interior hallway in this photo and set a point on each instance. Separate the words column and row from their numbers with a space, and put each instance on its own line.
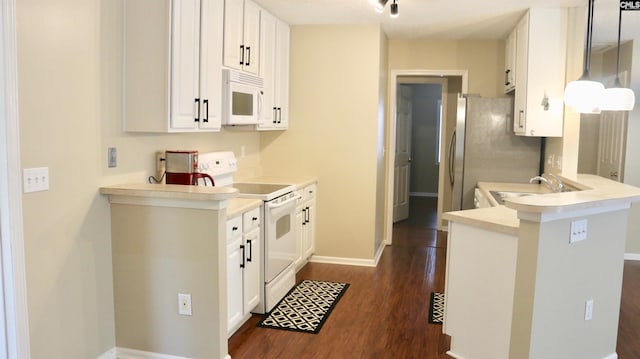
column 384, row 312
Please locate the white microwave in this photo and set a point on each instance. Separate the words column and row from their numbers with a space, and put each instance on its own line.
column 241, row 98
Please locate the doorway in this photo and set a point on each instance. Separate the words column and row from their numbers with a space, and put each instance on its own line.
column 400, row 135
column 418, row 156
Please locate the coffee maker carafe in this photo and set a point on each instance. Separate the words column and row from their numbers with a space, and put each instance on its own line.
column 182, row 168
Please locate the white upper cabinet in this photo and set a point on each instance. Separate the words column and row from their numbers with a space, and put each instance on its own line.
column 172, row 65
column 541, row 45
column 274, row 69
column 242, row 36
column 510, row 62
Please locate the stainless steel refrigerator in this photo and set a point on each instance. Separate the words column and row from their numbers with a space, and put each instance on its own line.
column 485, row 149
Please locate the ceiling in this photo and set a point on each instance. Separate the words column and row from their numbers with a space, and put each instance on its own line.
column 446, row 19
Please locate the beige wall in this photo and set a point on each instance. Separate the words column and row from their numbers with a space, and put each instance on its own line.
column 333, row 134
column 483, row 58
column 554, row 279
column 69, row 95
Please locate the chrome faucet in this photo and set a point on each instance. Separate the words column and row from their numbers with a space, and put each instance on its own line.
column 558, row 187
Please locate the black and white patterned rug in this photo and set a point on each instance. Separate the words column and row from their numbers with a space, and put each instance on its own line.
column 306, row 307
column 436, row 308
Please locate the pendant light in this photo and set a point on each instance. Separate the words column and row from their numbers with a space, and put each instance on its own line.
column 618, row 98
column 380, row 5
column 585, row 95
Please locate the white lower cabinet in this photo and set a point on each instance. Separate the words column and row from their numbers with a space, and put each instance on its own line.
column 243, row 267
column 306, row 225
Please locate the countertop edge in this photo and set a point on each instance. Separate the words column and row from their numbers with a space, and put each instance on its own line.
column 177, row 192
column 238, row 206
column 497, row 219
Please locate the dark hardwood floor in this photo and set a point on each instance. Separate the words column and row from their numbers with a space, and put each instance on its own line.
column 384, row 312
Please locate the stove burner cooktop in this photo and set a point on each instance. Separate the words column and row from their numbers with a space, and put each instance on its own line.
column 264, row 191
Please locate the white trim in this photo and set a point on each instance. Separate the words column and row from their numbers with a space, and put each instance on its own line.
column 454, row 355
column 109, row 354
column 543, row 217
column 632, row 256
column 343, row 261
column 390, row 133
column 379, row 252
column 422, row 194
column 611, row 356
column 13, row 296
column 126, row 353
column 168, row 202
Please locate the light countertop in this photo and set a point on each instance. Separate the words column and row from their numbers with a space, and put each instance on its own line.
column 240, row 205
column 594, row 191
column 171, row 191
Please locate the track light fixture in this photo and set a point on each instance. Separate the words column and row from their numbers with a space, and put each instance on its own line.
column 394, row 9
column 380, row 4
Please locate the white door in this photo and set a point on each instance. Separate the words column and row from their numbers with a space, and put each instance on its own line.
column 233, row 48
column 612, row 142
column 234, row 285
column 402, row 168
column 251, row 35
column 211, row 64
column 267, row 69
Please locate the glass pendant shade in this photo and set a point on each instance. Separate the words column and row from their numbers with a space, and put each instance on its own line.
column 380, row 5
column 618, row 99
column 584, row 95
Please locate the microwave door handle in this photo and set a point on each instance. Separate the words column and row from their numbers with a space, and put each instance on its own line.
column 259, row 104
column 205, row 103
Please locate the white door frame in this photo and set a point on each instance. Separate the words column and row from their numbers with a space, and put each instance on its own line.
column 391, row 133
column 14, row 322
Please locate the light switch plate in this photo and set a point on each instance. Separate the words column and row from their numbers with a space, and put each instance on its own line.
column 578, row 231
column 35, row 179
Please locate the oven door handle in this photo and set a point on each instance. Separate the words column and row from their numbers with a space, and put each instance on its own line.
column 282, row 204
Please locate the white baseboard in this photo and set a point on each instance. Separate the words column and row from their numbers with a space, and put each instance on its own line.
column 125, row 353
column 423, row 194
column 344, row 261
column 632, row 256
column 379, row 252
column 109, row 354
column 454, row 355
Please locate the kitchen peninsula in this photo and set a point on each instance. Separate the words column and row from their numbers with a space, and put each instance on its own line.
column 170, row 239
column 541, row 276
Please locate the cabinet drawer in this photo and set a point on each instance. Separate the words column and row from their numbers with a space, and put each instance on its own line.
column 234, row 228
column 251, row 219
column 309, row 192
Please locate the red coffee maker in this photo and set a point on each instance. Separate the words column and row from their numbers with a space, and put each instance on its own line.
column 182, row 168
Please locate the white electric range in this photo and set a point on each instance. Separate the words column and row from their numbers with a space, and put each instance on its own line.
column 278, row 227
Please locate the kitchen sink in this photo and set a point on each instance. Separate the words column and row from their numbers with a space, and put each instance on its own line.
column 501, row 195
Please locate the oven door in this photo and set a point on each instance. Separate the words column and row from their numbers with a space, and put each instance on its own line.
column 280, row 235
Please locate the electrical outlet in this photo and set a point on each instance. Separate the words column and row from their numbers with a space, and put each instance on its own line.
column 35, row 179
column 112, row 157
column 588, row 310
column 161, row 164
column 184, row 304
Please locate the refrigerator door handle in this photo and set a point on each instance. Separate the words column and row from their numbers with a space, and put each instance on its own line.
column 452, row 146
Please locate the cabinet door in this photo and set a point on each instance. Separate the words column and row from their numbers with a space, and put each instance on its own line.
column 251, row 37
column 252, row 282
column 510, row 62
column 267, row 70
column 282, row 75
column 298, row 262
column 185, row 64
column 233, row 28
column 522, row 49
column 234, row 285
column 310, row 230
column 211, row 64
